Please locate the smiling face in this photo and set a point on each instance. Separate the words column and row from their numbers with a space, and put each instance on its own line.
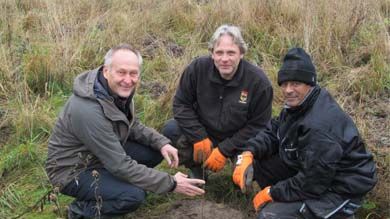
column 294, row 92
column 123, row 73
column 226, row 55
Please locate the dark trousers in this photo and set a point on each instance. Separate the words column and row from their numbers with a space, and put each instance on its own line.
column 104, row 194
column 173, row 132
column 294, row 210
column 268, row 172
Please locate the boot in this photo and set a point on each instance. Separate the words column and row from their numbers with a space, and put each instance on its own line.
column 197, row 172
column 75, row 210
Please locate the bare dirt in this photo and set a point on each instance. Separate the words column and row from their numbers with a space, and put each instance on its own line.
column 200, row 209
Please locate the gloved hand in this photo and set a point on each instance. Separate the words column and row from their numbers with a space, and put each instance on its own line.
column 262, row 197
column 202, row 150
column 243, row 173
column 216, row 161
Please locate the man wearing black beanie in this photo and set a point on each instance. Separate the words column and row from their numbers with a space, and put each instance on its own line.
column 297, row 66
column 313, row 162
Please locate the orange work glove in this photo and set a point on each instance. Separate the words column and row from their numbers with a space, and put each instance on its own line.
column 243, row 173
column 202, row 150
column 262, row 197
column 216, row 161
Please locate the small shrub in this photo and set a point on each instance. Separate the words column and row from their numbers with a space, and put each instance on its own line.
column 38, row 68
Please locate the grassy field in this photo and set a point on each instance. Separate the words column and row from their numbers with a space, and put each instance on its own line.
column 44, row 44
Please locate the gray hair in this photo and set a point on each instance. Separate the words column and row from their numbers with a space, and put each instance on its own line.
column 110, row 53
column 232, row 31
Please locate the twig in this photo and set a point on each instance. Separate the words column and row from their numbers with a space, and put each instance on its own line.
column 99, row 200
column 371, row 214
column 204, row 186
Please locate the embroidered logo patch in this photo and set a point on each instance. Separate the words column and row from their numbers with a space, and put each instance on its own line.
column 243, row 96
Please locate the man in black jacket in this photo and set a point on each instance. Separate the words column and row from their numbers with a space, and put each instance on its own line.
column 221, row 101
column 312, row 163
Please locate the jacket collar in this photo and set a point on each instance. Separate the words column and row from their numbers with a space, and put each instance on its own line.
column 307, row 103
column 122, row 103
column 215, row 77
column 110, row 110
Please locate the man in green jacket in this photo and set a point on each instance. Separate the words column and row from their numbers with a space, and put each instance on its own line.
column 100, row 153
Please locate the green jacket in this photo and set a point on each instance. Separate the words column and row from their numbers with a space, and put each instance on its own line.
column 90, row 133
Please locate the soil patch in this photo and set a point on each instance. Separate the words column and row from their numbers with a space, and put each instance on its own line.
column 201, row 209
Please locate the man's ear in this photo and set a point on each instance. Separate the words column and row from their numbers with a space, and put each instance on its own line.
column 105, row 72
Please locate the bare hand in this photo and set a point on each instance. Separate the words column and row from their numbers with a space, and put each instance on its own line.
column 188, row 186
column 170, row 155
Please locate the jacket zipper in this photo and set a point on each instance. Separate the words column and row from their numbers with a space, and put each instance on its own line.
column 221, row 106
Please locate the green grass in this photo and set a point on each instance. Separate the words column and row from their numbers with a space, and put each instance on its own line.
column 18, row 157
column 34, row 185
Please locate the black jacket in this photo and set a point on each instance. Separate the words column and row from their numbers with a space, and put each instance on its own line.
column 321, row 142
column 228, row 112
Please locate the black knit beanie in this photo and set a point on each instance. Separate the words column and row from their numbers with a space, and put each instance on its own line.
column 297, row 66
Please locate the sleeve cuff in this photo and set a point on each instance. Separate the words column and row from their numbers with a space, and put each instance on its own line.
column 173, row 185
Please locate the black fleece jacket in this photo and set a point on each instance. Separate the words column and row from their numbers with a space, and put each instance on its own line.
column 228, row 112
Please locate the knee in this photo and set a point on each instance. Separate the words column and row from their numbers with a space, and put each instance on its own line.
column 131, row 200
column 150, row 158
column 267, row 213
column 262, row 215
column 171, row 130
column 155, row 159
column 274, row 210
